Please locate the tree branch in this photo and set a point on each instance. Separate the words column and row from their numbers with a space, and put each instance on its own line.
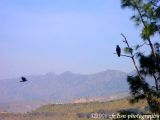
column 124, row 55
column 132, row 57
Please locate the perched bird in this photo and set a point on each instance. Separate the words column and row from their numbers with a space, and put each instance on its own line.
column 118, row 50
column 23, row 79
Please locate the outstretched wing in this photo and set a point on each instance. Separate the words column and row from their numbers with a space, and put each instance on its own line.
column 23, row 79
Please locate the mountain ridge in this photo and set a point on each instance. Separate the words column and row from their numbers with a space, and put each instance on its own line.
column 64, row 88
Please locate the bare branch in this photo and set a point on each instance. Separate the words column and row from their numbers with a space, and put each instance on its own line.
column 132, row 57
column 124, row 55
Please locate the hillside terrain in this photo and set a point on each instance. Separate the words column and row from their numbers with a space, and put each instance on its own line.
column 80, row 111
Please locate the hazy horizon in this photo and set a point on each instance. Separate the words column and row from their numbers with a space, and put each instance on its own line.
column 55, row 36
column 60, row 73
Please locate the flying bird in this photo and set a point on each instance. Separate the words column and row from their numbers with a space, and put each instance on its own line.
column 23, row 79
column 118, row 50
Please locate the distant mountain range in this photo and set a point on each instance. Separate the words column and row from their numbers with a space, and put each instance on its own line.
column 63, row 88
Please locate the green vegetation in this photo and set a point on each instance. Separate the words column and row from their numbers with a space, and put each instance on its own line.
column 80, row 111
column 146, row 15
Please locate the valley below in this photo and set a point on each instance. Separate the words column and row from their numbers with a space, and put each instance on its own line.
column 68, row 96
column 76, row 111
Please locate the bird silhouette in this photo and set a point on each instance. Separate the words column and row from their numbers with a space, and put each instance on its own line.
column 118, row 50
column 23, row 79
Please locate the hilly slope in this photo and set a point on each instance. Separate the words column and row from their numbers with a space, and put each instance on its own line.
column 82, row 111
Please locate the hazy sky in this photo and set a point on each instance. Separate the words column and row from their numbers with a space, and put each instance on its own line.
column 40, row 36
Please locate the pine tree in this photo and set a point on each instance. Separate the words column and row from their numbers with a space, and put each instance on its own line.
column 147, row 16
